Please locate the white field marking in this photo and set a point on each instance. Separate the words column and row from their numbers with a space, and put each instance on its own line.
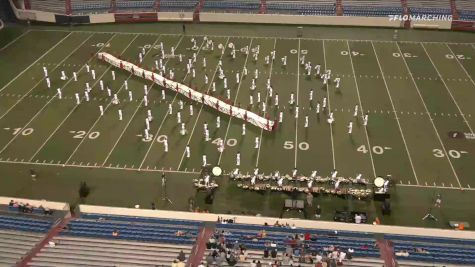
column 201, row 108
column 395, row 114
column 297, row 101
column 166, row 114
column 133, row 115
column 461, row 65
column 73, row 109
column 110, row 103
column 448, row 90
column 430, row 117
column 258, row 37
column 32, row 64
column 436, row 187
column 95, row 166
column 42, row 108
column 235, row 98
column 14, row 40
column 329, row 107
column 262, row 130
column 361, row 108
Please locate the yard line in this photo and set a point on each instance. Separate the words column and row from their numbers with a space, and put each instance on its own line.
column 329, row 107
column 458, row 61
column 32, row 64
column 297, row 102
column 166, row 114
column 201, row 109
column 256, row 37
column 110, row 103
column 430, row 117
column 361, row 107
column 44, row 106
column 41, row 80
column 133, row 115
column 262, row 130
column 235, row 98
column 436, row 187
column 448, row 90
column 74, row 108
column 395, row 113
column 14, row 40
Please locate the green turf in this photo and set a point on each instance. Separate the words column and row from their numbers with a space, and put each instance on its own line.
column 415, row 93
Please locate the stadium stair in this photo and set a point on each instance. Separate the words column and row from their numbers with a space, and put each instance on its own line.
column 69, row 8
column 405, row 11
column 263, row 7
column 386, row 249
column 199, row 249
column 54, row 231
column 113, row 6
column 157, row 5
column 196, row 13
column 453, row 6
column 339, row 8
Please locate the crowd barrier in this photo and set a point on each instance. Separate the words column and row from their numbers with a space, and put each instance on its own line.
column 299, row 223
column 41, row 16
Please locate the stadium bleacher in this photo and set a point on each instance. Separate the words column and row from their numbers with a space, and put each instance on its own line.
column 372, row 8
column 55, row 6
column 246, row 6
column 178, row 5
column 466, row 9
column 19, row 233
column 420, row 249
column 424, row 7
column 317, row 7
column 90, row 6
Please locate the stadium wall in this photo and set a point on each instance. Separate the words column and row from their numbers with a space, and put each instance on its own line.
column 310, row 224
column 41, row 16
column 300, row 20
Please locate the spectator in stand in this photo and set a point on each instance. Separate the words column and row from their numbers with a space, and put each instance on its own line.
column 402, row 253
column 115, row 233
column 181, row 256
column 11, row 203
column 285, row 259
column 201, row 264
column 242, row 256
column 209, row 259
column 273, row 253
column 262, row 234
column 318, row 212
column 252, row 264
column 266, row 253
column 357, row 218
column 307, row 236
column 258, row 264
column 175, row 263
column 275, row 264
column 181, row 264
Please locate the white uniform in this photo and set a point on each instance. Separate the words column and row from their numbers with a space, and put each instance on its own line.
column 130, row 96
column 48, row 82
column 292, row 100
column 45, row 70
column 243, row 129
column 59, row 93
column 182, row 130
column 120, row 114
column 113, row 75
column 187, row 151
column 191, row 109
column 238, row 159
column 163, row 94
column 218, row 122
column 78, row 100
column 306, row 122
column 178, row 117
column 281, row 116
column 276, row 100
column 318, row 108
column 93, row 74
column 86, row 95
column 365, row 119
column 75, row 76
column 204, row 161
column 170, row 109
column 101, row 110
column 297, row 112
column 256, row 143
column 350, row 127
column 355, row 112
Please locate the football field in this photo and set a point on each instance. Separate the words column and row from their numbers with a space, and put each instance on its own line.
column 418, row 96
